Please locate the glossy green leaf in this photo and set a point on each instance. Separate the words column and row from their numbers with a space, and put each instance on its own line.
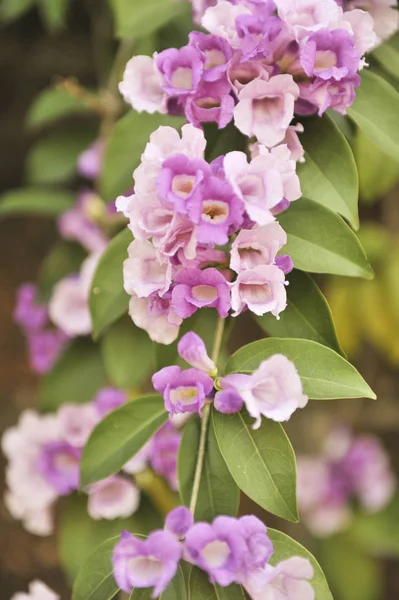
column 125, row 146
column 35, row 201
column 285, row 547
column 176, row 590
column 118, row 437
column 128, row 354
column 95, row 580
column 320, row 241
column 375, row 111
column 363, row 580
column 53, row 159
column 218, row 493
column 135, row 18
column 75, row 378
column 108, row 300
column 63, row 259
column 261, row 461
column 13, row 9
column 53, row 104
column 325, row 374
column 307, row 314
column 201, row 589
column 328, row 175
column 387, row 55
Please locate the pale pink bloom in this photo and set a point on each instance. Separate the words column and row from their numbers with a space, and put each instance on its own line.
column 258, row 246
column 384, row 14
column 166, row 141
column 288, row 580
column 113, row 498
column 161, row 322
column 37, row 591
column 360, row 24
column 141, row 85
column 76, row 423
column 263, row 183
column 221, row 20
column 193, row 350
column 291, row 140
column 305, row 16
column 69, row 303
column 274, row 390
column 147, row 217
column 261, row 289
column 266, row 108
column 143, row 273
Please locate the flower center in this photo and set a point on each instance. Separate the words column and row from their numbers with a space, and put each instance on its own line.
column 325, row 59
column 208, row 103
column 205, row 293
column 256, row 294
column 182, row 78
column 214, row 58
column 145, row 569
column 183, row 395
column 182, row 185
column 215, row 554
column 215, row 211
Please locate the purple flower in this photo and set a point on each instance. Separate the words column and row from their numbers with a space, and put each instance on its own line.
column 217, row 53
column 146, row 563
column 330, row 55
column 321, row 95
column 183, row 391
column 164, row 448
column 256, row 33
column 181, row 69
column 228, row 402
column 28, row 314
column 76, row 423
column 157, row 316
column 45, row 347
column 113, row 498
column 289, row 579
column 141, row 85
column 212, row 103
column 90, row 161
column 197, row 289
column 143, row 273
column 193, row 350
column 261, row 289
column 259, row 546
column 258, row 246
column 274, row 390
column 80, row 223
column 180, row 181
column 179, row 521
column 107, row 399
column 218, row 549
column 58, row 463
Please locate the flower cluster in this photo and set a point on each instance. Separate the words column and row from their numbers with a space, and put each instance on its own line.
column 45, row 343
column 37, row 591
column 229, row 550
column 183, row 215
column 274, row 390
column 44, row 453
column 350, row 469
column 261, row 62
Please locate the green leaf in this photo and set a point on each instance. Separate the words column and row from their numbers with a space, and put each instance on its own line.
column 128, row 354
column 95, row 579
column 363, row 580
column 328, row 175
column 108, row 300
column 321, row 242
column 307, row 315
column 53, row 104
column 325, row 374
column 135, row 18
column 118, row 437
column 378, row 533
column 75, row 378
column 13, row 9
column 285, row 547
column 35, row 201
column 201, row 589
column 218, row 493
column 63, row 259
column 54, row 13
column 375, row 111
column 126, row 144
column 378, row 172
column 261, row 461
column 176, row 590
column 387, row 55
column 54, row 159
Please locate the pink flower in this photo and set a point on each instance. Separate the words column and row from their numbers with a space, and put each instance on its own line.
column 37, row 591
column 257, row 247
column 274, row 390
column 79, row 223
column 384, row 14
column 157, row 317
column 113, row 498
column 90, row 161
column 261, row 289
column 141, row 85
column 193, row 350
column 360, row 25
column 198, row 289
column 183, row 391
column 221, row 20
column 143, row 274
column 306, row 16
column 289, row 579
column 266, row 108
column 76, row 423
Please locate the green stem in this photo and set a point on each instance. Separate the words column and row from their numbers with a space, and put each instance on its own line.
column 205, row 422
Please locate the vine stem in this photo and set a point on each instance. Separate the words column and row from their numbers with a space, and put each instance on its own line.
column 205, row 422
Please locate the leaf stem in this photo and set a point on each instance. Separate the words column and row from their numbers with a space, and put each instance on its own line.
column 217, row 342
